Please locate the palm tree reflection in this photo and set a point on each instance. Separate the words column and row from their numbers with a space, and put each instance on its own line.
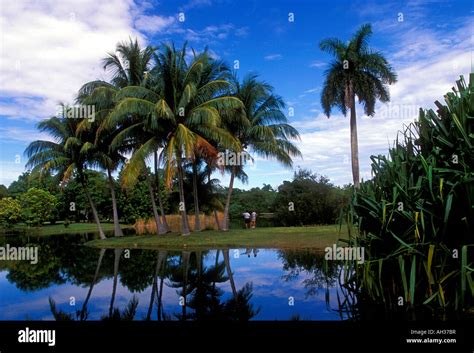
column 198, row 286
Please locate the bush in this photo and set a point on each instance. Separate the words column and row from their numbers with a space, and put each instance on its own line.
column 10, row 212
column 38, row 206
column 309, row 199
column 417, row 213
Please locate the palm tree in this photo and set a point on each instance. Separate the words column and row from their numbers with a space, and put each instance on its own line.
column 356, row 71
column 129, row 67
column 260, row 126
column 179, row 114
column 66, row 155
column 204, row 186
column 100, row 154
column 129, row 64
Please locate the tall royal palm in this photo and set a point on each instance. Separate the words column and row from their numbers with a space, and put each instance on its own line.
column 355, row 71
column 261, row 127
column 66, row 155
column 181, row 113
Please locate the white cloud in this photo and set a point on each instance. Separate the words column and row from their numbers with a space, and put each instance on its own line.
column 273, row 57
column 318, row 64
column 15, row 134
column 212, row 34
column 153, row 24
column 312, row 90
column 51, row 48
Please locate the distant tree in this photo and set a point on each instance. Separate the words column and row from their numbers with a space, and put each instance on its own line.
column 257, row 199
column 26, row 181
column 3, row 191
column 308, row 199
column 37, row 206
column 10, row 210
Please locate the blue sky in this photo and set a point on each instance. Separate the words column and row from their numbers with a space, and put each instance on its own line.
column 50, row 48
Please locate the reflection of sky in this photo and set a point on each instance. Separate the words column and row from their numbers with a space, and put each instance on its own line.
column 271, row 293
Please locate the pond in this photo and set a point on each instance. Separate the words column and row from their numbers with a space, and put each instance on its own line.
column 76, row 282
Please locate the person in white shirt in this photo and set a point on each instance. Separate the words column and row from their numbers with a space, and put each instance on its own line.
column 253, row 220
column 246, row 215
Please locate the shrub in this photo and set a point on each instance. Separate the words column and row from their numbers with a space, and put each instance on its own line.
column 37, row 206
column 10, row 212
column 416, row 216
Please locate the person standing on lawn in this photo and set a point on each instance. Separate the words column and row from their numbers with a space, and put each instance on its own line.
column 253, row 220
column 246, row 215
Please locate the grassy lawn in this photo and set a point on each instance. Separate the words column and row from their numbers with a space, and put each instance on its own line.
column 317, row 237
column 46, row 230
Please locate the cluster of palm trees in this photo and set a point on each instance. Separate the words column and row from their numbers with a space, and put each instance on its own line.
column 177, row 108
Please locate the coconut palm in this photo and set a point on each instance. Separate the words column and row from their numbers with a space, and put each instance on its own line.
column 358, row 71
column 128, row 66
column 101, row 95
column 260, row 126
column 202, row 187
column 65, row 156
column 179, row 114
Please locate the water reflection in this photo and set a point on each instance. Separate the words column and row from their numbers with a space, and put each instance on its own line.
column 74, row 282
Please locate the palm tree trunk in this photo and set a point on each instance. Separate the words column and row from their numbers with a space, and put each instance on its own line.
column 354, row 144
column 185, row 258
column 96, row 274
column 154, row 289
column 160, row 199
column 159, row 228
column 215, row 266
column 94, row 211
column 118, row 253
column 218, row 224
column 225, row 221
column 197, row 221
column 216, row 217
column 184, row 216
column 160, row 312
column 229, row 271
column 117, row 230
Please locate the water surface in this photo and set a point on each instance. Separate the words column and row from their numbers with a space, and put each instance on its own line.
column 73, row 281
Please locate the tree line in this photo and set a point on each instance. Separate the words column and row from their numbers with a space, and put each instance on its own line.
column 307, row 199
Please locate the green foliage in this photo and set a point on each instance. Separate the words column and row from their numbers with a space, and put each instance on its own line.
column 417, row 212
column 10, row 212
column 73, row 192
column 257, row 199
column 3, row 191
column 27, row 181
column 356, row 71
column 309, row 199
column 37, row 206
